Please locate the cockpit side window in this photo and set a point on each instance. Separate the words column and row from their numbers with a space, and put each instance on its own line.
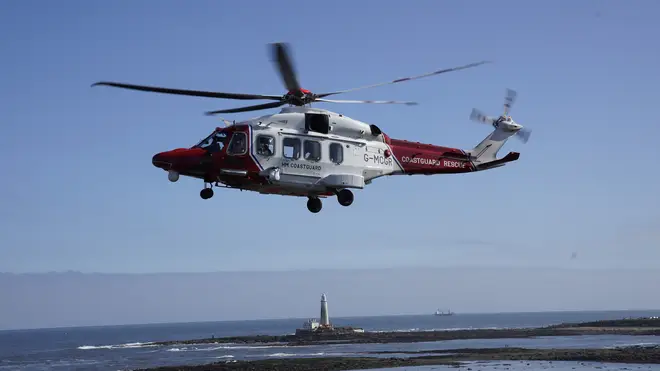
column 238, row 144
column 265, row 145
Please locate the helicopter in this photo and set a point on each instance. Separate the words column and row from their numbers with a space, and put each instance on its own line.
column 316, row 153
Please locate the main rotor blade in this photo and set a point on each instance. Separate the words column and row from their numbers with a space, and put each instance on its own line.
column 509, row 99
column 248, row 108
column 194, row 93
column 406, row 78
column 366, row 101
column 281, row 57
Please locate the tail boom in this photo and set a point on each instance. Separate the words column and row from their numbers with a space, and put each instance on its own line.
column 427, row 159
column 414, row 158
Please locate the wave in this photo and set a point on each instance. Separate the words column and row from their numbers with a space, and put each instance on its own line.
column 278, row 354
column 316, row 354
column 296, row 354
column 209, row 349
column 118, row 346
column 251, row 346
column 195, row 347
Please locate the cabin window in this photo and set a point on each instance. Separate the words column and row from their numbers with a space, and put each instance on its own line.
column 265, row 145
column 291, row 148
column 312, row 151
column 238, row 144
column 336, row 153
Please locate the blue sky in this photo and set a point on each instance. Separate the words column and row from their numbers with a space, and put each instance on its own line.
column 79, row 192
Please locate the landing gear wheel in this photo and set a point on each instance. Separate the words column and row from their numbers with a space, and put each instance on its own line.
column 314, row 204
column 206, row 193
column 345, row 197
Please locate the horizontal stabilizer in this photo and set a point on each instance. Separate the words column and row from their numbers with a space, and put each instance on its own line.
column 511, row 156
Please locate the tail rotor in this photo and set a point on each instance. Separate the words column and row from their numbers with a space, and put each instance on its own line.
column 504, row 121
column 509, row 99
column 479, row 116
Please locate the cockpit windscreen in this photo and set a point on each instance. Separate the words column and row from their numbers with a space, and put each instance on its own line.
column 214, row 142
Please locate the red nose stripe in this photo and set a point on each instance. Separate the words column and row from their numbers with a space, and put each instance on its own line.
column 178, row 159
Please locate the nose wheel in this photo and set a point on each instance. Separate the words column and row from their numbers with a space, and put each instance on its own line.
column 206, row 193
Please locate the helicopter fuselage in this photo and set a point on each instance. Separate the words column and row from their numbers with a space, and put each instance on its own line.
column 306, row 152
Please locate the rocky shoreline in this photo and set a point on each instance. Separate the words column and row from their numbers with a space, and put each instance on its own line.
column 638, row 355
column 633, row 326
column 652, row 322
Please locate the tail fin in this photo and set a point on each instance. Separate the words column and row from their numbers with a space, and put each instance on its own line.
column 486, row 151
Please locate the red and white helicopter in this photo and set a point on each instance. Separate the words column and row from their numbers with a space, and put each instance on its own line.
column 315, row 153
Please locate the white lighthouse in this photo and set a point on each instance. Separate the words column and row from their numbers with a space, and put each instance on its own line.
column 325, row 319
column 313, row 325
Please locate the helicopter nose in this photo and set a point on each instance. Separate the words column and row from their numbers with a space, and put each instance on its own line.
column 180, row 159
column 162, row 160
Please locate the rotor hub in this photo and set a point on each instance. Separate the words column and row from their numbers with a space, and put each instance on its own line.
column 299, row 97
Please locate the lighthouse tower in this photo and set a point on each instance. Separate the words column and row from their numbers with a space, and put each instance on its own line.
column 325, row 320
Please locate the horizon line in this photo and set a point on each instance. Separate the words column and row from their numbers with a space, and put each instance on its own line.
column 300, row 270
column 468, row 313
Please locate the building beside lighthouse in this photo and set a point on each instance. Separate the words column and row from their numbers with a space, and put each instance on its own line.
column 314, row 326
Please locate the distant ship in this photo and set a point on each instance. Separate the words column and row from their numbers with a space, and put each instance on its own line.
column 447, row 313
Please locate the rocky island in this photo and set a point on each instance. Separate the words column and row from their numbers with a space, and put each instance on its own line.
column 633, row 326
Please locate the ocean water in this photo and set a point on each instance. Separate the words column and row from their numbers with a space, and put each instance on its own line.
column 128, row 347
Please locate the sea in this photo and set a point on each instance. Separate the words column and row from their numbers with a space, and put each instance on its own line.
column 129, row 347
